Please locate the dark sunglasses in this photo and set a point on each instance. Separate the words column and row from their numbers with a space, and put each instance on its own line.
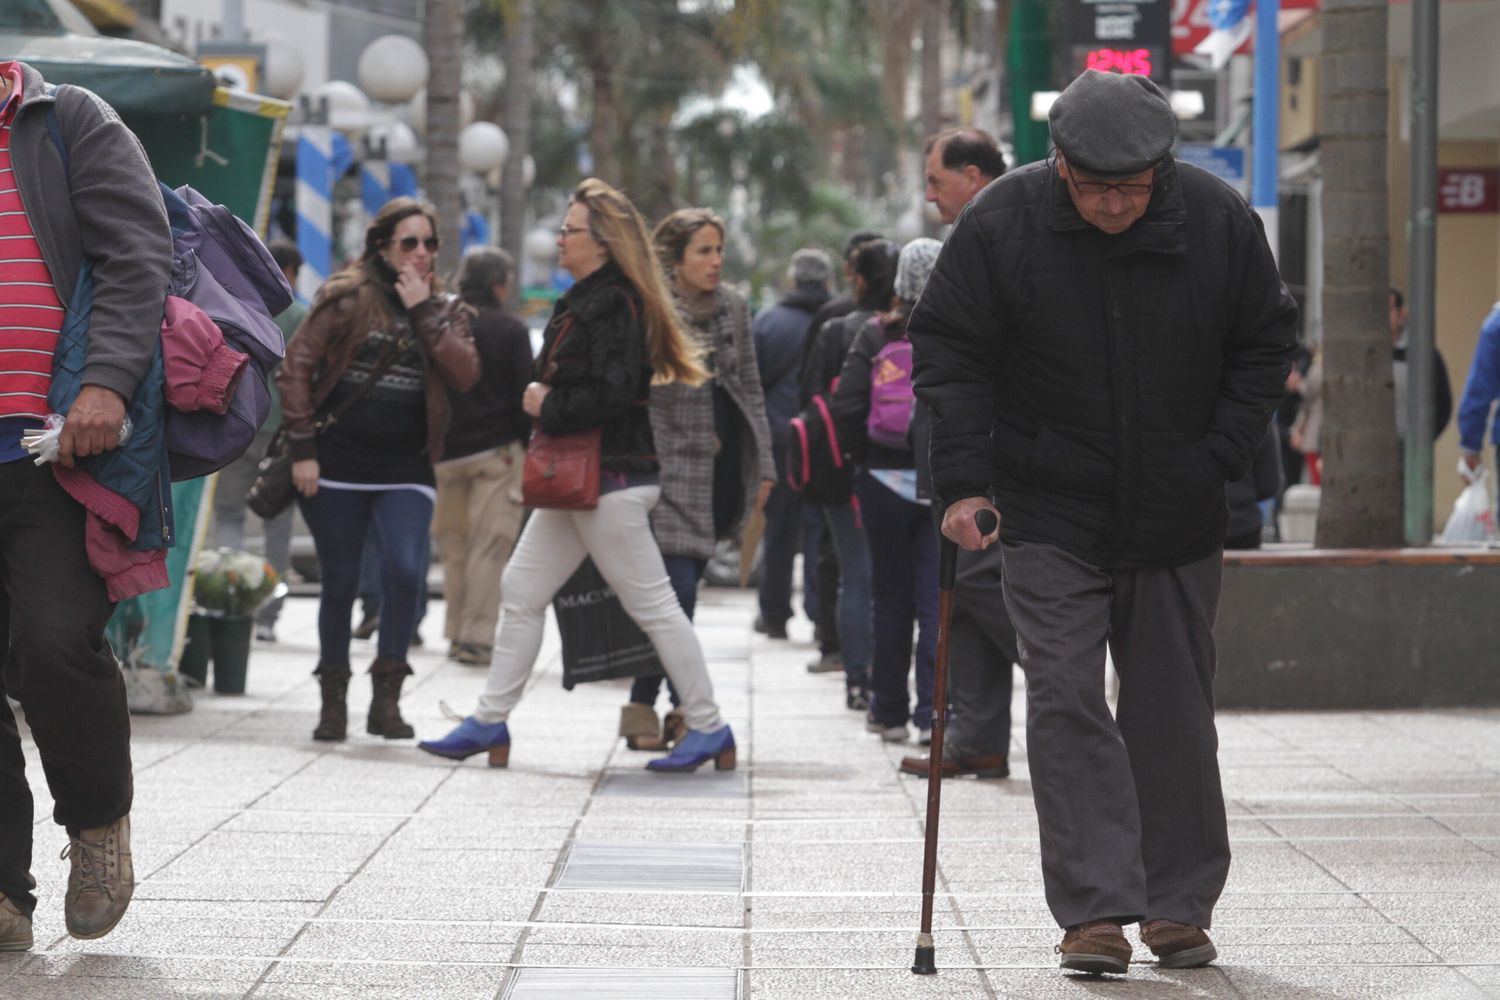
column 409, row 243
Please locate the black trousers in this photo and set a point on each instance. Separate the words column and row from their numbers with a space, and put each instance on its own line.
column 1130, row 807
column 53, row 609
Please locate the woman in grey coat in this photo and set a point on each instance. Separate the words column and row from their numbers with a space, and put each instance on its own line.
column 712, row 440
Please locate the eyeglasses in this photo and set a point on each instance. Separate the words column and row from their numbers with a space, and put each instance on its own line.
column 409, row 243
column 1104, row 187
column 565, row 231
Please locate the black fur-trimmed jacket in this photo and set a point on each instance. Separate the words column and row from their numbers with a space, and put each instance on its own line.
column 1103, row 388
column 601, row 373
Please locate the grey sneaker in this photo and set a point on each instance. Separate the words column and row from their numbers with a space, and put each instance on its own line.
column 828, row 663
column 102, row 879
column 15, row 927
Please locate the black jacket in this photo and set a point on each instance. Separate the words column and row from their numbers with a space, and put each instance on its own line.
column 1262, row 482
column 1103, row 388
column 489, row 415
column 780, row 335
column 601, row 373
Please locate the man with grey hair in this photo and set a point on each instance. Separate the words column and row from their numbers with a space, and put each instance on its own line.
column 779, row 334
column 1102, row 343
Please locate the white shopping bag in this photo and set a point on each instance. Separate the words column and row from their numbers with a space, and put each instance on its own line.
column 1473, row 519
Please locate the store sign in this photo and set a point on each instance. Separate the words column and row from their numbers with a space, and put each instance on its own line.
column 1190, row 23
column 1116, row 36
column 1469, row 190
column 1225, row 162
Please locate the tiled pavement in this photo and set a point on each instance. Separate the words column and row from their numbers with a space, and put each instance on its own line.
column 1367, row 855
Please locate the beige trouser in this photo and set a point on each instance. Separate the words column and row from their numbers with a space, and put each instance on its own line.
column 475, row 522
column 618, row 537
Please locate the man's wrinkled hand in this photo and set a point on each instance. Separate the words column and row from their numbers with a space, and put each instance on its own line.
column 93, row 424
column 959, row 526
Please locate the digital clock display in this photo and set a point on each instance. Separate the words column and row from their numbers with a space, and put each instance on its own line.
column 1145, row 60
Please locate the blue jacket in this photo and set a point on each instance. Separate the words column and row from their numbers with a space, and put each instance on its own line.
column 137, row 470
column 1482, row 388
column 779, row 334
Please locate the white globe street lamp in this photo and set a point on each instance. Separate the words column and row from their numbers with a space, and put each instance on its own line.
column 393, row 69
column 482, row 147
column 348, row 107
column 284, row 71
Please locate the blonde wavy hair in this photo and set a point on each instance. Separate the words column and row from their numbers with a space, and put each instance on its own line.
column 619, row 228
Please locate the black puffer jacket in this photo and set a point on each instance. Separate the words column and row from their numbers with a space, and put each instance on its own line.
column 1103, row 388
column 601, row 373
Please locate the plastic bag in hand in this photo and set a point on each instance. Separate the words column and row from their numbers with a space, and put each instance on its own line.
column 1473, row 518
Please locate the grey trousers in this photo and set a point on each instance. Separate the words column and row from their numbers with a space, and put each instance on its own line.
column 1130, row 808
column 981, row 654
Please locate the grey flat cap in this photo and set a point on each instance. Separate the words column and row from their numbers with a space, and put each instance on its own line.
column 1112, row 124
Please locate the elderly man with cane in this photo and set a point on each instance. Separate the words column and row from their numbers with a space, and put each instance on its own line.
column 1102, row 343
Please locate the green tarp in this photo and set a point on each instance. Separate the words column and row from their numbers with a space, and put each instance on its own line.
column 134, row 77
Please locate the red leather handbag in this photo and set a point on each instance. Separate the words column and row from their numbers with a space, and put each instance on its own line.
column 562, row 470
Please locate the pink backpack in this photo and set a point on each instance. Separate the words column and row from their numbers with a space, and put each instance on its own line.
column 891, row 396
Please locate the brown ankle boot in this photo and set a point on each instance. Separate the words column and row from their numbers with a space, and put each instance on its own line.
column 386, row 677
column 333, row 718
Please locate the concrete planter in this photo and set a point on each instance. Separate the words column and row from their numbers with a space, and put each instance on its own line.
column 1354, row 629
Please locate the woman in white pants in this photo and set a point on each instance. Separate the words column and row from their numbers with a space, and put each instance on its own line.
column 611, row 336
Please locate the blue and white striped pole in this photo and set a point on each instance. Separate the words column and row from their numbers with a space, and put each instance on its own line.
column 314, row 208
column 375, row 185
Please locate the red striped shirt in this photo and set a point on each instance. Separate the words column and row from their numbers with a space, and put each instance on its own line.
column 31, row 314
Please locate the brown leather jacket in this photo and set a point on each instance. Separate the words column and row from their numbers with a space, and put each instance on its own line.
column 326, row 344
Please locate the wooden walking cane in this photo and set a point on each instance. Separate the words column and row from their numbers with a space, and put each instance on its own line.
column 925, row 963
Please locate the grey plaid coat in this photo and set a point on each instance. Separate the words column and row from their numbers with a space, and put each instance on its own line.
column 682, row 422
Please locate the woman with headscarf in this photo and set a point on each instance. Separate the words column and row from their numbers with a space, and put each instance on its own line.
column 872, row 408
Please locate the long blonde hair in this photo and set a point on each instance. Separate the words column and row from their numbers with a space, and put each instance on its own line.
column 619, row 228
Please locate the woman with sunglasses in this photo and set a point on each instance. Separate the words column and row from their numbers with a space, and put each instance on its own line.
column 375, row 354
column 611, row 337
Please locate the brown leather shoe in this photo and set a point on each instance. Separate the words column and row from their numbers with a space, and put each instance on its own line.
column 987, row 765
column 101, row 881
column 1096, row 947
column 1178, row 946
column 15, row 927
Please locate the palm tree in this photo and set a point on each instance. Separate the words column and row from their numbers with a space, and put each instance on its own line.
column 520, row 26
column 443, row 32
column 1361, row 500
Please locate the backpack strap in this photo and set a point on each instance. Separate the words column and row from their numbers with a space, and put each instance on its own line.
column 54, row 132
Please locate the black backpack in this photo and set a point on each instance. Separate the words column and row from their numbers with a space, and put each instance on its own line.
column 817, row 465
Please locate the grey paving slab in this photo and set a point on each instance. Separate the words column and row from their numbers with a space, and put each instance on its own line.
column 667, row 909
column 1321, row 983
column 308, row 979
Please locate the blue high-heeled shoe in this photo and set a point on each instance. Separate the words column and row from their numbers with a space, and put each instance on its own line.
column 471, row 737
column 696, row 749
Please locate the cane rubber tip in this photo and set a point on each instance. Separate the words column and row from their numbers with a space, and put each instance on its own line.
column 925, row 964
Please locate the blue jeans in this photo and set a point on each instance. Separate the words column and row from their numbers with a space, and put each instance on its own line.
column 685, row 572
column 371, row 574
column 339, row 521
column 905, row 564
column 853, row 549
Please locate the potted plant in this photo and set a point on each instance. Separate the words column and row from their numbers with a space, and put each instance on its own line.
column 229, row 586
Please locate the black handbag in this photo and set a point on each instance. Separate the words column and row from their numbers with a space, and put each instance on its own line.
column 273, row 490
